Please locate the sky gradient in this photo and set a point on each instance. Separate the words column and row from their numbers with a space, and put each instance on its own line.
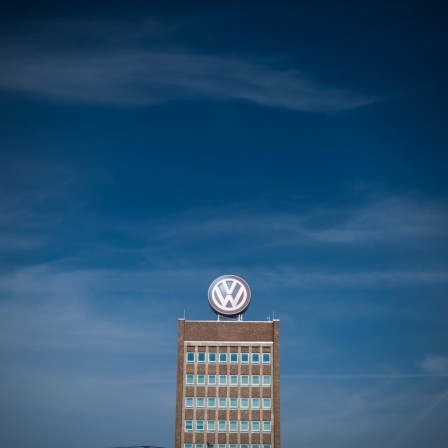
column 150, row 147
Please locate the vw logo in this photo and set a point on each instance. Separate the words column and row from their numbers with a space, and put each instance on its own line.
column 229, row 295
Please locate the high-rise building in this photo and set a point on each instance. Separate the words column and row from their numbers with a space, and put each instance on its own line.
column 228, row 379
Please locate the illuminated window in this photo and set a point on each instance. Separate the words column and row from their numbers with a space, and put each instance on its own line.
column 266, row 426
column 266, row 403
column 266, row 358
column 266, row 380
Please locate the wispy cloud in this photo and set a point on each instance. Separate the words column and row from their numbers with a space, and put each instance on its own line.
column 351, row 417
column 365, row 376
column 134, row 74
column 386, row 219
column 435, row 365
column 417, row 420
column 46, row 308
column 33, row 210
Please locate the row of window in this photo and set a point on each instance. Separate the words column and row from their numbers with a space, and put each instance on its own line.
column 232, row 380
column 221, row 425
column 223, row 445
column 223, row 358
column 222, row 403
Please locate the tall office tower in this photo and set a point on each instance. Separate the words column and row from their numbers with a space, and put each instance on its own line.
column 228, row 379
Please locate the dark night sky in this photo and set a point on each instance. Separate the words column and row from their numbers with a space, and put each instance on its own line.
column 150, row 147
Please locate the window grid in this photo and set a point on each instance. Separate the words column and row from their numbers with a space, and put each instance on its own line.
column 232, row 380
column 234, row 403
column 233, row 425
column 224, row 358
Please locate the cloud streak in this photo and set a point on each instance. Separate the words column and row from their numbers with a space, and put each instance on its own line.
column 417, row 420
column 367, row 376
column 141, row 76
column 435, row 364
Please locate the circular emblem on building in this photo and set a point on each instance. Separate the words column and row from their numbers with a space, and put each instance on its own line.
column 229, row 295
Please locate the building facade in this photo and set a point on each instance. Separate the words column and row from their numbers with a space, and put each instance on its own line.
column 228, row 384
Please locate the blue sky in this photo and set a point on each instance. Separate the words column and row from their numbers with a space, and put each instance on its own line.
column 150, row 147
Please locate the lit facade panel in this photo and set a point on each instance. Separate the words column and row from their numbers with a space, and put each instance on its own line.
column 228, row 384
